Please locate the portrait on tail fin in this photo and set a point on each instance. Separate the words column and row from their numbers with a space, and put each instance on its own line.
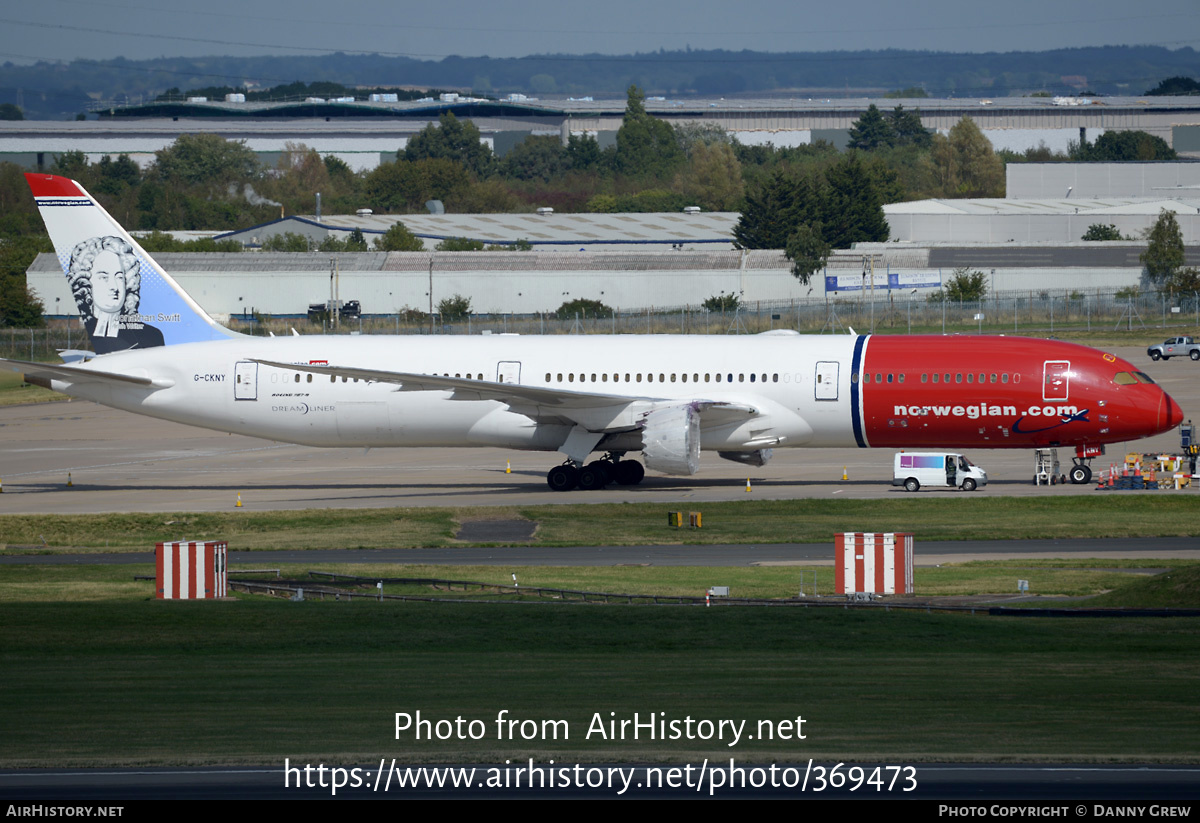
column 105, row 279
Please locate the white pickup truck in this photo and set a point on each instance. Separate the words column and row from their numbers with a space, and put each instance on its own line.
column 1175, row 347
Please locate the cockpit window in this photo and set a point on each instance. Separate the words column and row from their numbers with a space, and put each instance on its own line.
column 1143, row 378
column 1124, row 378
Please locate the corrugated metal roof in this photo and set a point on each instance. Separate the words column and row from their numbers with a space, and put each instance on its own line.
column 545, row 228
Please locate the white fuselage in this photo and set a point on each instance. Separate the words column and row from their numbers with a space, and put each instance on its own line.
column 218, row 385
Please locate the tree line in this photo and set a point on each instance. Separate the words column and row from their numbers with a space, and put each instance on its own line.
column 806, row 200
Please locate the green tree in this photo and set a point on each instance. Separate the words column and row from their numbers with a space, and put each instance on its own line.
column 964, row 164
column 808, row 252
column 454, row 308
column 852, row 211
column 536, row 158
column 712, row 177
column 908, row 128
column 646, row 146
column 722, row 303
column 965, row 286
column 399, row 238
column 405, row 186
column 1185, row 280
column 288, row 241
column 451, row 139
column 871, row 131
column 1102, row 232
column 459, row 244
column 1124, row 146
column 583, row 152
column 1176, row 85
column 773, row 210
column 8, row 111
column 1164, row 252
column 583, row 308
column 206, row 159
column 19, row 306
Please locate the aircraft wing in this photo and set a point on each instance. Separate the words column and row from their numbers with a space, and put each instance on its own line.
column 580, row 407
column 75, row 374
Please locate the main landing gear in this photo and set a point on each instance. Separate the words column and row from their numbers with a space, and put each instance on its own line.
column 595, row 475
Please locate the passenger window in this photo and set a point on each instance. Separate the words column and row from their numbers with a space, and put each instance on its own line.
column 878, row 377
column 752, row 378
column 672, row 377
column 958, row 378
column 900, row 377
column 662, row 378
column 741, row 378
column 604, row 378
column 639, row 378
column 774, row 378
column 992, row 379
column 718, row 378
column 571, row 378
column 866, row 377
column 309, row 378
column 935, row 377
column 970, row 377
column 854, row 377
column 890, row 377
column 1004, row 377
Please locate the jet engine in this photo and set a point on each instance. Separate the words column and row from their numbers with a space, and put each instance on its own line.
column 671, row 440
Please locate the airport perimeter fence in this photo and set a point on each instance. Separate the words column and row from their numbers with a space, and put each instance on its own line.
column 1033, row 313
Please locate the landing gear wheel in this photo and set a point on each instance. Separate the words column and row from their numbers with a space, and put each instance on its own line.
column 562, row 478
column 912, row 484
column 592, row 477
column 603, row 468
column 1081, row 474
column 1155, row 355
column 969, row 484
column 628, row 473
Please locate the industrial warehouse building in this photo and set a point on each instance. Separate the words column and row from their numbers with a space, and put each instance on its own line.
column 364, row 133
column 638, row 261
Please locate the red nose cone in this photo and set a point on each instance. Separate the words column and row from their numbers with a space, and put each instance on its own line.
column 1169, row 413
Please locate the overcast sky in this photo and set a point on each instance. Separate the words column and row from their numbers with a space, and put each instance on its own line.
column 140, row 29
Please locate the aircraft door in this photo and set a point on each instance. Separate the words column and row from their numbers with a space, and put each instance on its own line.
column 508, row 371
column 1056, row 384
column 825, row 384
column 245, row 381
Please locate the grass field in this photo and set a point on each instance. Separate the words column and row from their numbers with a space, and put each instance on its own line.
column 99, row 673
column 14, row 390
column 149, row 682
column 742, row 522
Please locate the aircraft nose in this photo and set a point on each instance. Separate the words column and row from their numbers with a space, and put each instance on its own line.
column 1169, row 413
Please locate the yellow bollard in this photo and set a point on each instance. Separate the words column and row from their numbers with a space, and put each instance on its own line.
column 238, row 505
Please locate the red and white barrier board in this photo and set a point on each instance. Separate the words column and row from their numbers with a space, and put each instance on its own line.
column 190, row 571
column 873, row 563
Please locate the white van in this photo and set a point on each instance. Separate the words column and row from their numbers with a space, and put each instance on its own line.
column 945, row 469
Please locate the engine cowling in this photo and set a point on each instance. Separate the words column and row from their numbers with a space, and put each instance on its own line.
column 671, row 440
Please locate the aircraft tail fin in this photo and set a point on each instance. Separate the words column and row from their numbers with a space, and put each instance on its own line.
column 125, row 299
